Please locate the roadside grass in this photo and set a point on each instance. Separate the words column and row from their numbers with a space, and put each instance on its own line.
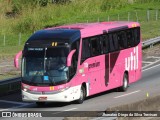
column 9, row 51
column 31, row 19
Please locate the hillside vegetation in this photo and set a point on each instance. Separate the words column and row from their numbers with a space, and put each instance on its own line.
column 27, row 16
column 20, row 18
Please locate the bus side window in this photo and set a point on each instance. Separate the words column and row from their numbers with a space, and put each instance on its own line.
column 86, row 51
column 115, row 41
column 123, row 40
column 111, row 44
column 130, row 38
column 136, row 32
column 104, row 44
column 95, row 46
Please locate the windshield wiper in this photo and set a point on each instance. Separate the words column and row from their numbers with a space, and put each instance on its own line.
column 33, row 78
column 51, row 81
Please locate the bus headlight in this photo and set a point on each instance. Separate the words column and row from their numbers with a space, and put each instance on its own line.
column 64, row 89
column 25, row 88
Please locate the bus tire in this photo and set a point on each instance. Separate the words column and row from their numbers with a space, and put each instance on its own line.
column 40, row 104
column 124, row 87
column 82, row 95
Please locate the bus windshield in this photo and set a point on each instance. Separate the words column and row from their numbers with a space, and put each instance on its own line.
column 45, row 66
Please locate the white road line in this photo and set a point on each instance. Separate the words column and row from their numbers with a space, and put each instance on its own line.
column 151, row 64
column 127, row 94
column 147, row 62
column 70, row 109
column 64, row 111
column 13, row 102
column 150, row 67
column 153, row 57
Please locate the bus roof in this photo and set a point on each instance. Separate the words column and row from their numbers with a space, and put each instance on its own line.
column 63, row 35
column 89, row 29
column 70, row 33
column 109, row 25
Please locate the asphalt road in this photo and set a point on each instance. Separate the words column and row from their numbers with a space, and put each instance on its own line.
column 149, row 84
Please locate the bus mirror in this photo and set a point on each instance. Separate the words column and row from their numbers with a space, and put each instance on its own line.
column 16, row 58
column 69, row 58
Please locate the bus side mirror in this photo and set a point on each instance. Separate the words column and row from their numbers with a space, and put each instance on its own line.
column 16, row 58
column 69, row 58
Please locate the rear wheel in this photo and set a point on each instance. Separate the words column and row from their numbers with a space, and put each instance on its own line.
column 125, row 83
column 82, row 95
column 40, row 104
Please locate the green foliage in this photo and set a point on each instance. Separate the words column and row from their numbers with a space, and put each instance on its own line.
column 43, row 2
column 32, row 16
column 109, row 4
column 60, row 1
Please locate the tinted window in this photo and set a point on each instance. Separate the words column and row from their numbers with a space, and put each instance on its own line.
column 123, row 39
column 95, row 46
column 115, row 41
column 136, row 32
column 104, row 44
column 86, row 51
column 111, row 45
column 130, row 38
column 74, row 61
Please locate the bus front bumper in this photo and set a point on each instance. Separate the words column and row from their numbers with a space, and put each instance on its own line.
column 71, row 94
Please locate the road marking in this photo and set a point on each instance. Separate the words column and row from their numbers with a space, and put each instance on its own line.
column 70, row 109
column 150, row 67
column 147, row 62
column 13, row 102
column 127, row 94
column 64, row 111
column 153, row 57
column 151, row 64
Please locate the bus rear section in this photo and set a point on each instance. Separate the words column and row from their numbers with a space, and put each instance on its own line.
column 71, row 62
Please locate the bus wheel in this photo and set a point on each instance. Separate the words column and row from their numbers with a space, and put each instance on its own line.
column 82, row 95
column 124, row 87
column 40, row 104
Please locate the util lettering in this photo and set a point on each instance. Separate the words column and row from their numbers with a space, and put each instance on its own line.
column 131, row 63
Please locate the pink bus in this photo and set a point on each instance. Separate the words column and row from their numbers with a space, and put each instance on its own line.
column 71, row 62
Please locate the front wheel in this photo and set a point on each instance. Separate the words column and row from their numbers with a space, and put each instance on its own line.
column 82, row 95
column 124, row 87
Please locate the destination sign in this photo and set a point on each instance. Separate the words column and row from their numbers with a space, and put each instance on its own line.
column 35, row 49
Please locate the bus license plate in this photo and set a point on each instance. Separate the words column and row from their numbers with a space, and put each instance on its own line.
column 42, row 98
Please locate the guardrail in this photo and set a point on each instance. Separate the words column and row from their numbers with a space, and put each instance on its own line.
column 150, row 42
column 13, row 84
column 10, row 85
